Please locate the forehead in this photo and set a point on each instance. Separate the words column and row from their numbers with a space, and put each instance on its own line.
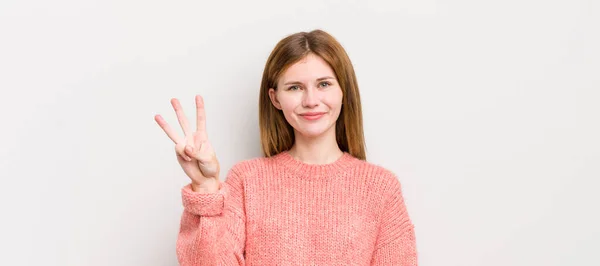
column 307, row 69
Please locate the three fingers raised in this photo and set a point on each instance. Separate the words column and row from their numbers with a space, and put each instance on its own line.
column 198, row 137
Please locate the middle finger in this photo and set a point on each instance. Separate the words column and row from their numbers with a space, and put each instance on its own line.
column 181, row 117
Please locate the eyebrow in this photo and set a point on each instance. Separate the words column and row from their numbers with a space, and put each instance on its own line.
column 298, row 82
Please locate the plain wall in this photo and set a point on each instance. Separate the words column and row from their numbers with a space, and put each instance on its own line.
column 488, row 111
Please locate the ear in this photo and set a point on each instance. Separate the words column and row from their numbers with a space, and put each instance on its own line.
column 273, row 96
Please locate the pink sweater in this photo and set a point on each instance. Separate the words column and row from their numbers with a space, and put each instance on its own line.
column 281, row 211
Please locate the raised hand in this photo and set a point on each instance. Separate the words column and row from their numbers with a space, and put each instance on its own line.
column 194, row 152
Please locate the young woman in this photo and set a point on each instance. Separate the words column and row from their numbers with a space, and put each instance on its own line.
column 312, row 199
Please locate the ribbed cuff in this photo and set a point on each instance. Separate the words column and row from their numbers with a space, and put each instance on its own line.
column 203, row 204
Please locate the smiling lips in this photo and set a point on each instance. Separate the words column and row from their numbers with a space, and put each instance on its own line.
column 312, row 115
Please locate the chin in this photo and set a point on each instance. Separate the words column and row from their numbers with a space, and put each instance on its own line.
column 312, row 131
column 311, row 134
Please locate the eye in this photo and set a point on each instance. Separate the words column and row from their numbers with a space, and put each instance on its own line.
column 325, row 84
column 293, row 88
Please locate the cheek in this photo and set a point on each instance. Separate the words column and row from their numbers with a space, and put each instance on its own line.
column 334, row 100
column 288, row 104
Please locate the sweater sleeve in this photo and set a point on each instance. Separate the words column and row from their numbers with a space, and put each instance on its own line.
column 212, row 229
column 396, row 244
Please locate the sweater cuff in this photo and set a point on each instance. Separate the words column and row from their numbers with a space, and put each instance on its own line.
column 203, row 204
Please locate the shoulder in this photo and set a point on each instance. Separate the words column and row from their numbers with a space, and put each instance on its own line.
column 375, row 170
column 382, row 177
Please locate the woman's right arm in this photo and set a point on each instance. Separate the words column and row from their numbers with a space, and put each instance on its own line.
column 213, row 222
column 213, row 225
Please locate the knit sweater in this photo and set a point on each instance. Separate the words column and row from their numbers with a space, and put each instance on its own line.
column 281, row 211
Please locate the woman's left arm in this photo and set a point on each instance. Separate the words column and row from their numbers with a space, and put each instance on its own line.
column 396, row 243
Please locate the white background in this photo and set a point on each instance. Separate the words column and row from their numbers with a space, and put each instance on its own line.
column 488, row 111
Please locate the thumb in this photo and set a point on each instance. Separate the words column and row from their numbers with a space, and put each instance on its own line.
column 197, row 153
column 189, row 151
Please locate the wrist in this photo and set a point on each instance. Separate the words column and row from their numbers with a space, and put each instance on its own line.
column 209, row 186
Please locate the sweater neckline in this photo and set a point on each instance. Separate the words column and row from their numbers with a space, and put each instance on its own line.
column 315, row 171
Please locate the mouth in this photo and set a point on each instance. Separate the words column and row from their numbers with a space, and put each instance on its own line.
column 312, row 115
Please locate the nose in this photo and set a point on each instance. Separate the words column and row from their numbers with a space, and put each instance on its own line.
column 311, row 98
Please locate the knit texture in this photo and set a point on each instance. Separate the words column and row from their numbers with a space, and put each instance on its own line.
column 281, row 211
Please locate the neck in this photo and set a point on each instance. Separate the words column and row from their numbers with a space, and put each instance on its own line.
column 321, row 149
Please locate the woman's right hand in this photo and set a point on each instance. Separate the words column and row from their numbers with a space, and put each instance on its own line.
column 194, row 152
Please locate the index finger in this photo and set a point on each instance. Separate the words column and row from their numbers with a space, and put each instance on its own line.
column 201, row 118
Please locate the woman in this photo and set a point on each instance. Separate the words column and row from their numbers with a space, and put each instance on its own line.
column 312, row 199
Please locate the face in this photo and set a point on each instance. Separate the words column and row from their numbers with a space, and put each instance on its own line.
column 310, row 97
